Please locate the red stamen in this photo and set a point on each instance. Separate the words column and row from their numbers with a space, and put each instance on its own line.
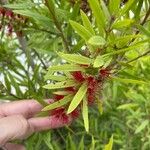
column 78, row 76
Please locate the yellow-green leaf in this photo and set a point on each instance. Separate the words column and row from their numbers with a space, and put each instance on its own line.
column 98, row 14
column 66, row 67
column 77, row 98
column 86, row 22
column 110, row 144
column 122, row 23
column 55, row 78
column 127, row 106
column 58, row 85
column 75, row 58
column 59, row 103
column 81, row 30
column 85, row 114
column 142, row 126
column 62, row 92
column 130, row 81
column 97, row 41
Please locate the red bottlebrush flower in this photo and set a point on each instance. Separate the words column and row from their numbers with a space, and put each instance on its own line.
column 92, row 82
column 60, row 114
column 75, row 114
column 78, row 76
column 9, row 14
column 70, row 89
column 2, row 11
column 92, row 86
column 57, row 111
column 91, row 96
column 58, row 97
column 104, row 73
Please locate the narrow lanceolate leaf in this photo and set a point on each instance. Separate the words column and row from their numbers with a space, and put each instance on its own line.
column 77, row 98
column 81, row 30
column 25, row 5
column 130, row 81
column 86, row 22
column 85, row 114
column 114, row 6
column 105, row 10
column 110, row 144
column 59, row 85
column 142, row 126
column 127, row 106
column 132, row 47
column 75, row 58
column 98, row 14
column 122, row 23
column 66, row 67
column 62, row 92
column 55, row 78
column 97, row 41
column 144, row 31
column 33, row 15
column 127, row 7
column 59, row 103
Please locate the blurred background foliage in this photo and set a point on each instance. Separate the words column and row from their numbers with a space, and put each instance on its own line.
column 25, row 57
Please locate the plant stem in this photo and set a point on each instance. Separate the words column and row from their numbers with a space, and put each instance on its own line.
column 58, row 26
column 146, row 53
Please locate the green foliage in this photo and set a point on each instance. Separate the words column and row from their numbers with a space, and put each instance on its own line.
column 57, row 39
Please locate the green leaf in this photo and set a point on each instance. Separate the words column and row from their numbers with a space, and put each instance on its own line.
column 128, row 106
column 142, row 126
column 130, row 81
column 114, row 6
column 66, row 67
column 97, row 41
column 102, row 60
column 7, row 83
column 92, row 147
column 100, row 106
column 122, row 23
column 62, row 92
column 105, row 10
column 99, row 61
column 56, row 78
column 75, row 58
column 81, row 144
column 98, row 14
column 132, row 47
column 110, row 144
column 81, row 30
column 59, row 103
column 87, row 23
column 85, row 114
column 36, row 16
column 127, row 7
column 26, row 5
column 144, row 31
column 59, row 85
column 77, row 98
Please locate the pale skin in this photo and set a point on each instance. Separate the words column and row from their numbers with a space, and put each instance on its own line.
column 18, row 121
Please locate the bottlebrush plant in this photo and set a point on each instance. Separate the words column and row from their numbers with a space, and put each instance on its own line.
column 91, row 57
column 81, row 78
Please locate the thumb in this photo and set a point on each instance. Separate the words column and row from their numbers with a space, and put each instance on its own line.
column 14, row 127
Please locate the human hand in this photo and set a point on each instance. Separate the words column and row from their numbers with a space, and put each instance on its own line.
column 17, row 121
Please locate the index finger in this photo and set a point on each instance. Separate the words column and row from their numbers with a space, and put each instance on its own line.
column 27, row 108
